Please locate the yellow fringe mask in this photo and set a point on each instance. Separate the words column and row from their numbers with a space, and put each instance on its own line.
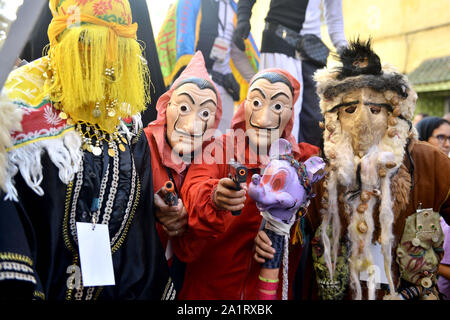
column 97, row 73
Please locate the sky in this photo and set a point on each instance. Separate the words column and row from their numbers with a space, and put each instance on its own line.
column 158, row 10
column 8, row 8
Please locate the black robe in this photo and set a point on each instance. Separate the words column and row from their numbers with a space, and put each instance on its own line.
column 37, row 245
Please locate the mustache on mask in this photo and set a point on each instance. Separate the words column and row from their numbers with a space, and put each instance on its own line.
column 258, row 127
column 184, row 133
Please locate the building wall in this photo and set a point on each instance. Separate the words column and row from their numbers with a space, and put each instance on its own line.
column 432, row 104
column 404, row 32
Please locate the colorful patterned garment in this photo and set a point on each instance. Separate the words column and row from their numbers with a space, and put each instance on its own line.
column 103, row 9
column 40, row 121
column 178, row 40
column 41, row 128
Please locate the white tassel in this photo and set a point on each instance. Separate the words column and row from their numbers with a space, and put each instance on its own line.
column 368, row 216
column 326, row 243
column 386, row 222
column 137, row 123
column 72, row 141
column 355, row 260
column 10, row 189
column 123, row 129
column 333, row 208
column 354, row 276
column 28, row 160
column 64, row 152
column 60, row 157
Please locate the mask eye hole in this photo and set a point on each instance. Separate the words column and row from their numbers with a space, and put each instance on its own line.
column 184, row 109
column 204, row 114
column 375, row 109
column 256, row 104
column 350, row 109
column 278, row 107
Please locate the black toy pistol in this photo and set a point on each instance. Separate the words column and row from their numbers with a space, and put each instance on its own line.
column 167, row 192
column 238, row 173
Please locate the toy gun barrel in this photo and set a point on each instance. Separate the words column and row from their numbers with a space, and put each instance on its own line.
column 167, row 192
column 239, row 175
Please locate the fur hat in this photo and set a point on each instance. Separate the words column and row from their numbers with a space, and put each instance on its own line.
column 360, row 67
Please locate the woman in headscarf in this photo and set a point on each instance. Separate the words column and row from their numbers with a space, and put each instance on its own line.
column 436, row 131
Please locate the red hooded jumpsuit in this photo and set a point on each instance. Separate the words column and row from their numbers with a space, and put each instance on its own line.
column 161, row 151
column 218, row 247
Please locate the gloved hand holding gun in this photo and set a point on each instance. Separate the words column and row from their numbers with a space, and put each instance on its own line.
column 230, row 191
column 170, row 211
column 167, row 193
column 238, row 173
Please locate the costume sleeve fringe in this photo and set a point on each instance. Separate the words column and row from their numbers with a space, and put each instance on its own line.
column 64, row 151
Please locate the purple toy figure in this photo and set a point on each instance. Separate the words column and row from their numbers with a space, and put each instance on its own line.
column 280, row 193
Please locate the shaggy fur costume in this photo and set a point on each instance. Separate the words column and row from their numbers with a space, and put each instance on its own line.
column 365, row 180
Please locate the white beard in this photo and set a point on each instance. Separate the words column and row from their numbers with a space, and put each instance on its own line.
column 345, row 164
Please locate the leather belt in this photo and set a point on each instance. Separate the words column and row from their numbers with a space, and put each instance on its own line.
column 217, row 77
column 288, row 35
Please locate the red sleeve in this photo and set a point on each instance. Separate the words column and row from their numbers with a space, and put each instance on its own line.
column 307, row 150
column 205, row 219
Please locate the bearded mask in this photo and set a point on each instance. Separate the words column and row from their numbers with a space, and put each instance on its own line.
column 363, row 116
column 191, row 115
column 368, row 111
column 268, row 109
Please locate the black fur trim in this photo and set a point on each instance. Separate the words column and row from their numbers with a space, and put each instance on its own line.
column 357, row 59
column 394, row 82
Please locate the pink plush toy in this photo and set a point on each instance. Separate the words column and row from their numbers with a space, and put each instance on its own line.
column 280, row 193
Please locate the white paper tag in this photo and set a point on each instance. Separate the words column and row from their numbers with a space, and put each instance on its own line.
column 378, row 265
column 219, row 49
column 95, row 255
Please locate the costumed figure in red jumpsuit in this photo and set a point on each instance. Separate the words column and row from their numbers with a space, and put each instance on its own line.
column 218, row 244
column 188, row 115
